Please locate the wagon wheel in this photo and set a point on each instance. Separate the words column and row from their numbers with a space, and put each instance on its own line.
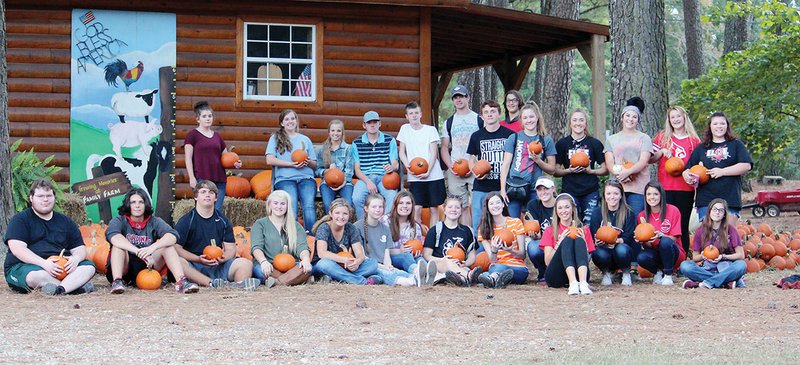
column 773, row 210
column 758, row 211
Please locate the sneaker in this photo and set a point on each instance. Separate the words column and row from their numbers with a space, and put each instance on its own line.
column 456, row 279
column 421, row 273
column 688, row 284
column 634, row 274
column 85, row 289
column 574, row 289
column 430, row 279
column 626, row 279
column 703, row 285
column 117, row 286
column 374, row 280
column 730, row 285
column 474, row 274
column 325, row 279
column 53, row 289
column 667, row 280
column 185, row 286
column 541, row 282
column 658, row 277
column 503, row 279
column 219, row 283
column 606, row 279
column 486, row 280
column 247, row 284
column 584, row 288
column 740, row 283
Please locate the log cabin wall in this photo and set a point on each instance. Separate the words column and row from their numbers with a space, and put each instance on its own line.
column 371, row 61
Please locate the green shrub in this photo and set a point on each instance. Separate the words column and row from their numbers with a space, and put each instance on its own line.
column 26, row 168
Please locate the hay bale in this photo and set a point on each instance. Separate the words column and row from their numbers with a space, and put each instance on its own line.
column 244, row 212
column 72, row 206
column 180, row 208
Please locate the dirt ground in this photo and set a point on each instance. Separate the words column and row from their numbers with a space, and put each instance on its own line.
column 343, row 324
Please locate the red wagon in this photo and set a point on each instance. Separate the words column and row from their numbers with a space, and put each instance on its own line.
column 772, row 203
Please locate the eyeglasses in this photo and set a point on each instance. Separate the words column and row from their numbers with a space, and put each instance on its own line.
column 718, row 210
column 512, row 100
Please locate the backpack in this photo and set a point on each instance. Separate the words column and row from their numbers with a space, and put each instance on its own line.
column 449, row 124
column 438, row 228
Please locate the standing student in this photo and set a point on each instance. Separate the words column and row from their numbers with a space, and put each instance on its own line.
column 374, row 155
column 521, row 168
column 422, row 141
column 581, row 182
column 726, row 159
column 404, row 228
column 279, row 232
column 627, row 153
column 295, row 178
column 724, row 271
column 456, row 134
column 513, row 104
column 618, row 255
column 335, row 152
column 678, row 139
column 567, row 258
column 378, row 239
column 487, row 144
column 661, row 254
column 540, row 210
column 203, row 150
column 507, row 259
column 448, row 235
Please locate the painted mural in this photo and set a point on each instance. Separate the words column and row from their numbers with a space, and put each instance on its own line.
column 122, row 98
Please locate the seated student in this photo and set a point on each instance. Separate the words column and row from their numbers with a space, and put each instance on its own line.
column 565, row 256
column 661, row 254
column 140, row 240
column 404, row 228
column 541, row 210
column 196, row 230
column 445, row 236
column 728, row 269
column 340, row 251
column 279, row 232
column 374, row 155
column 35, row 234
column 616, row 256
column 507, row 262
column 379, row 238
column 335, row 152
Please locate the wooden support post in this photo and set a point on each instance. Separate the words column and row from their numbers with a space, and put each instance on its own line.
column 166, row 146
column 521, row 70
column 597, row 65
column 439, row 87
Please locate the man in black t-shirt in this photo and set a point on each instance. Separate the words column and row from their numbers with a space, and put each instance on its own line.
column 37, row 233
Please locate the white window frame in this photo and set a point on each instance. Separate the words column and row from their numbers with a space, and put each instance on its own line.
column 246, row 95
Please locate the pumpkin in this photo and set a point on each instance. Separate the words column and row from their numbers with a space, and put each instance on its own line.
column 261, row 184
column 415, row 245
column 482, row 167
column 334, row 177
column 607, row 234
column 674, row 166
column 644, row 273
column 482, row 261
column 579, row 159
column 148, row 279
column 242, row 237
column 97, row 253
column 701, row 172
column 90, row 229
column 299, row 156
column 752, row 265
column 345, row 254
column 505, row 236
column 229, row 159
column 535, row 147
column 574, row 232
column 750, row 249
column 457, row 253
column 61, row 261
column 391, row 181
column 461, row 167
column 711, row 252
column 312, row 245
column 284, row 262
column 418, row 166
column 778, row 262
column 644, row 231
column 628, row 165
column 766, row 251
column 780, row 249
column 532, row 226
column 237, row 187
column 794, row 244
column 790, row 262
column 761, row 264
column 765, row 229
column 212, row 251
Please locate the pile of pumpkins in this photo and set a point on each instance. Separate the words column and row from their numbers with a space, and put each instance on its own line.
column 764, row 247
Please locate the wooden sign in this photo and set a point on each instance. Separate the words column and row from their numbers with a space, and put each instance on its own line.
column 102, row 188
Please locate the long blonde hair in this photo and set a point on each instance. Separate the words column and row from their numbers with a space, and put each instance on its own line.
column 539, row 117
column 586, row 132
column 557, row 220
column 687, row 125
column 336, row 203
column 282, row 141
column 289, row 222
column 326, row 146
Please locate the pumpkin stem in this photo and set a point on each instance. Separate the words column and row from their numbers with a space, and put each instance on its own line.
column 213, row 242
column 62, row 252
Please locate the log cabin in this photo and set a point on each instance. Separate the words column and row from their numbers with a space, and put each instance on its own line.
column 364, row 55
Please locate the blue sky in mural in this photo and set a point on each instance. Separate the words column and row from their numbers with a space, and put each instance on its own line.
column 110, row 35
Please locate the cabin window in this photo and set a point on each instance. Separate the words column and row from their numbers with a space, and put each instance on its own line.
column 279, row 62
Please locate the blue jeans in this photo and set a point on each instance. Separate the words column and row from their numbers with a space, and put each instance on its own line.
column 517, row 207
column 709, row 274
column 477, row 207
column 587, row 204
column 636, row 202
column 390, row 277
column 220, row 195
column 536, row 255
column 520, row 272
column 702, row 211
column 338, row 273
column 328, row 194
column 306, row 190
column 611, row 259
column 360, row 193
column 660, row 258
column 404, row 261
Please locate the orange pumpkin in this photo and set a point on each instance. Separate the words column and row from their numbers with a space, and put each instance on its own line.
column 148, row 279
column 261, row 184
column 482, row 260
column 711, row 252
column 391, row 181
column 345, row 254
column 299, row 156
column 532, row 226
column 644, row 273
column 794, row 244
column 283, row 262
column 535, row 147
column 229, row 159
column 674, row 166
column 607, row 234
column 766, row 251
column 461, row 167
column 457, row 253
column 334, row 177
column 312, row 245
column 242, row 237
column 237, row 187
column 777, row 262
column 701, row 172
column 212, row 251
column 790, row 262
column 97, row 253
column 60, row 260
column 752, row 265
column 415, row 245
column 574, row 232
column 505, row 236
column 644, row 231
column 761, row 264
column 750, row 249
column 765, row 229
column 482, row 167
column 418, row 166
column 579, row 159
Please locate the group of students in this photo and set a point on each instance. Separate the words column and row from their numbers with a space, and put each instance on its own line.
column 374, row 250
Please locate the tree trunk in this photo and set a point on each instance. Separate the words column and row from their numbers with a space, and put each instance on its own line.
column 693, row 32
column 541, row 64
column 482, row 82
column 558, row 75
column 638, row 60
column 735, row 32
column 6, row 199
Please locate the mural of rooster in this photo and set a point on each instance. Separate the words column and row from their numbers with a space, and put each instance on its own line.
column 119, row 69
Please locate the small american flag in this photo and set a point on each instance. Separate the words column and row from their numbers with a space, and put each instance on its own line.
column 303, row 86
column 87, row 18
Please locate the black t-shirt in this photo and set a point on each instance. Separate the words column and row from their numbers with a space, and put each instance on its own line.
column 627, row 228
column 579, row 184
column 350, row 236
column 460, row 237
column 196, row 232
column 485, row 145
column 720, row 155
column 44, row 238
column 540, row 213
